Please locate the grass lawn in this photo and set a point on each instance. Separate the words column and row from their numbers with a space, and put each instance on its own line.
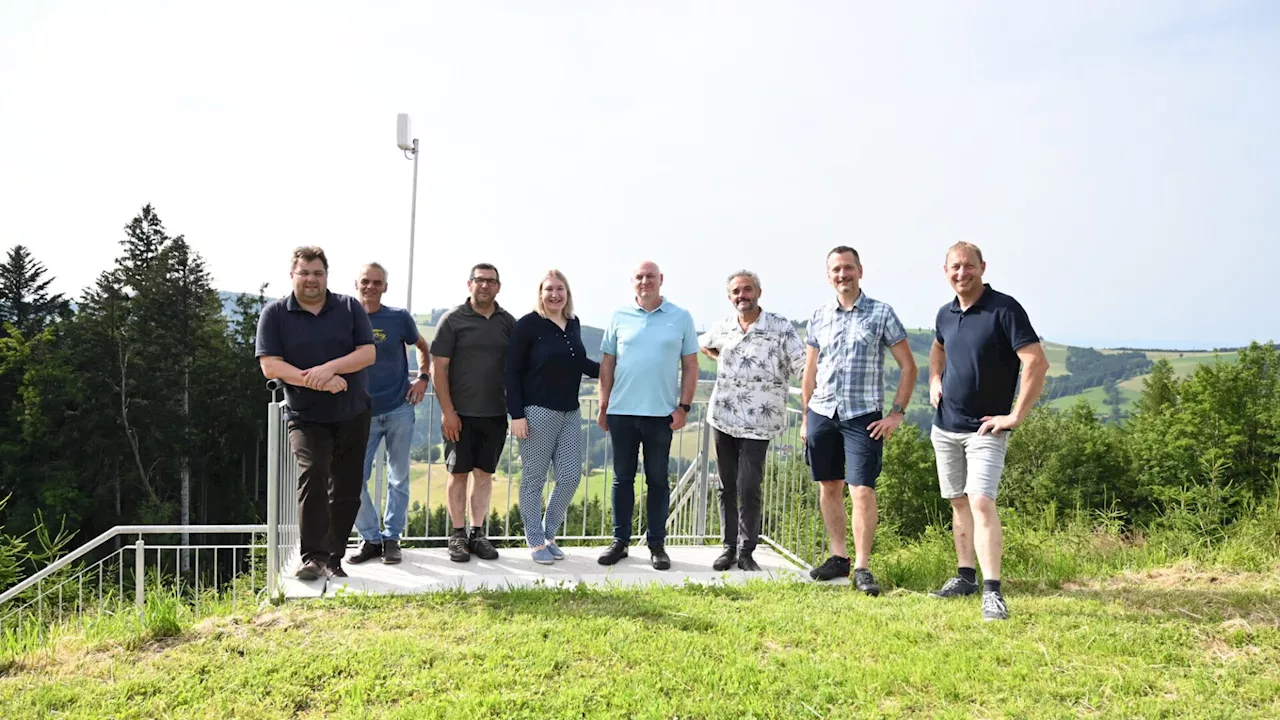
column 1163, row 644
column 1057, row 357
column 1098, row 398
column 1183, row 365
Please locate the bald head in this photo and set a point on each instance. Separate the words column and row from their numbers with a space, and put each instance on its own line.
column 646, row 280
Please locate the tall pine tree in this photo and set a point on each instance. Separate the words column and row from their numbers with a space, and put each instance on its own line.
column 24, row 293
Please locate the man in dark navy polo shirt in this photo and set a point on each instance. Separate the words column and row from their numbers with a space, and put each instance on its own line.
column 983, row 345
column 318, row 343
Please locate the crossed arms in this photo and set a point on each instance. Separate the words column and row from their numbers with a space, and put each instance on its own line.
column 326, row 377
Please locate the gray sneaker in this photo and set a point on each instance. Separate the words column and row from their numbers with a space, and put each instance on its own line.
column 993, row 606
column 955, row 587
column 391, row 552
column 866, row 582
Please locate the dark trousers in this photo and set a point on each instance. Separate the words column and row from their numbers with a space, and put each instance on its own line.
column 741, row 466
column 331, row 470
column 630, row 433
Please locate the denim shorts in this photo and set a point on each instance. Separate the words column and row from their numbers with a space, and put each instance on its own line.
column 843, row 449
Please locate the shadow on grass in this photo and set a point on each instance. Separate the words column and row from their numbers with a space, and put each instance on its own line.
column 652, row 605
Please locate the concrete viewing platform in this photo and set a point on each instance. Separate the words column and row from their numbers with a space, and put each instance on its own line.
column 426, row 570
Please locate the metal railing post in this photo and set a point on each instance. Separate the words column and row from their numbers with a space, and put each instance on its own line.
column 704, row 478
column 273, row 498
column 380, row 483
column 139, row 578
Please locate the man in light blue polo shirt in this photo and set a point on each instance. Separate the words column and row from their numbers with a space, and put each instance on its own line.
column 650, row 349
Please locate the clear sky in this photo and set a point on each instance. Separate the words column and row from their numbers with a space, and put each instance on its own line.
column 1119, row 163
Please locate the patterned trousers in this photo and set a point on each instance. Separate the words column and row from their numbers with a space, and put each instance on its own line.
column 554, row 437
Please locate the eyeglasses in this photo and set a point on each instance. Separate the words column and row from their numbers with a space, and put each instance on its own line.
column 485, row 281
column 304, row 274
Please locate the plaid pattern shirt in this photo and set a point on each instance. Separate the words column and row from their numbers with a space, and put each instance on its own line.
column 850, row 346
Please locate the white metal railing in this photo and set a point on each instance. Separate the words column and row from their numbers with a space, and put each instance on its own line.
column 109, row 575
column 97, row 577
column 589, row 518
column 791, row 520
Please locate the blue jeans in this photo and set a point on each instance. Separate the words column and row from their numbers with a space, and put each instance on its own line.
column 397, row 427
column 629, row 433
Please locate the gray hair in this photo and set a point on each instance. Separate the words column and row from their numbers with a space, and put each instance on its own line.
column 755, row 279
column 380, row 269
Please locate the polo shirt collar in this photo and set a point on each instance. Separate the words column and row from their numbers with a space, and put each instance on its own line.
column 292, row 305
column 466, row 308
column 982, row 300
column 662, row 307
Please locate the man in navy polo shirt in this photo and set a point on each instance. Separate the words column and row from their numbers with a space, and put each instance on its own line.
column 318, row 343
column 844, row 427
column 393, row 398
column 646, row 344
column 982, row 338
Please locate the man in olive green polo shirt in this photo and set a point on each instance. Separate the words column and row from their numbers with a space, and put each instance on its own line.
column 469, row 356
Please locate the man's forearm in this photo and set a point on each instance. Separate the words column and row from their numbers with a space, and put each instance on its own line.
column 937, row 361
column 906, row 386
column 689, row 381
column 274, row 368
column 440, row 377
column 1032, row 383
column 354, row 361
column 807, row 385
column 424, row 355
column 607, row 364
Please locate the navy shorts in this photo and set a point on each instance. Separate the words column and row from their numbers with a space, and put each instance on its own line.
column 836, row 449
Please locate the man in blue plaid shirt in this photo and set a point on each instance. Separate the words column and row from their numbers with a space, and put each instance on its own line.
column 844, row 427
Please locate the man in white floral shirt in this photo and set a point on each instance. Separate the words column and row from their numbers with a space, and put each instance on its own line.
column 757, row 354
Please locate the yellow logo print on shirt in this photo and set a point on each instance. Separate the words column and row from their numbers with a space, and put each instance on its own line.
column 379, row 335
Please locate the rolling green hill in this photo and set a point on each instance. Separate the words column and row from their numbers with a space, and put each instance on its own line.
column 1074, row 372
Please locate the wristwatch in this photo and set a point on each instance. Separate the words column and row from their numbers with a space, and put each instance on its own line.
column 685, row 407
column 897, row 409
column 423, row 376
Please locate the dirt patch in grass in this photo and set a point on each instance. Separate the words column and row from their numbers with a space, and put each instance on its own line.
column 1205, row 596
column 1183, row 576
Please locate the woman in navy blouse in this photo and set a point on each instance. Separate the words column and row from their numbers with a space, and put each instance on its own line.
column 545, row 365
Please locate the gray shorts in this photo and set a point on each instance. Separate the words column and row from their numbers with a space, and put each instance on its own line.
column 969, row 464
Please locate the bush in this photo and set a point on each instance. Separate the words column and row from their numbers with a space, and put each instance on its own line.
column 907, row 491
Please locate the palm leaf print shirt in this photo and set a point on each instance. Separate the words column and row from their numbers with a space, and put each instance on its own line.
column 753, row 374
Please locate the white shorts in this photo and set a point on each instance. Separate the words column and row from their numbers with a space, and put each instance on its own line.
column 968, row 463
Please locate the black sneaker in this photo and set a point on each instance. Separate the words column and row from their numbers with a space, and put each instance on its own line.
column 993, row 606
column 955, row 587
column 748, row 563
column 368, row 551
column 482, row 548
column 866, row 582
column 335, row 566
column 726, row 560
column 391, row 552
column 834, row 567
column 658, row 558
column 310, row 570
column 458, row 548
column 615, row 552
